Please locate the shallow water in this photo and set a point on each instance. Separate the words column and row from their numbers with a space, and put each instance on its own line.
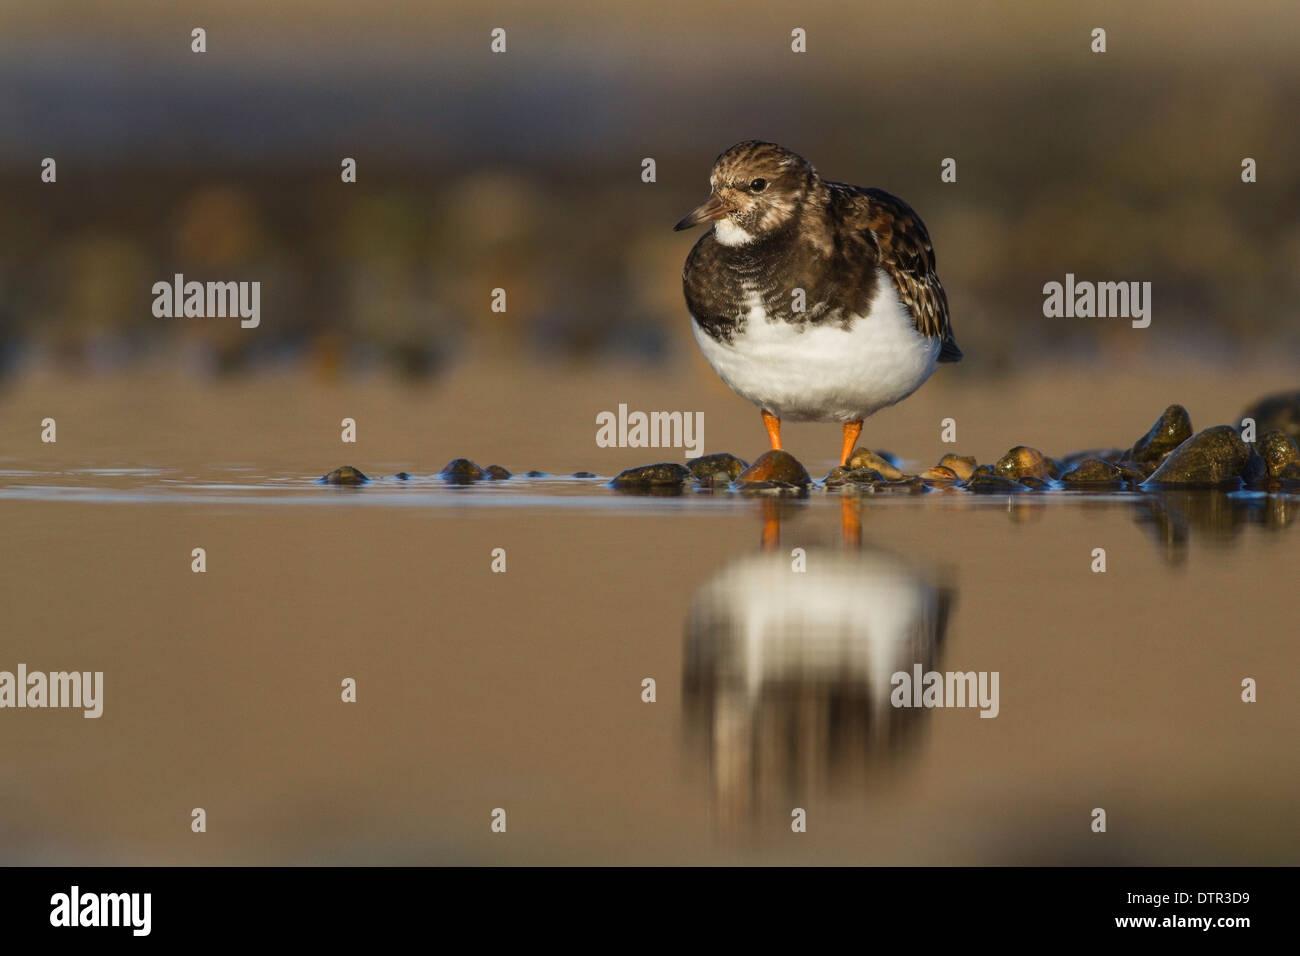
column 522, row 690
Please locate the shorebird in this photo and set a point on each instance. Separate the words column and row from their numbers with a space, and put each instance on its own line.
column 815, row 300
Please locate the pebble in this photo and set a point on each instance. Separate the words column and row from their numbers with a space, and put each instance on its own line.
column 987, row 483
column 1215, row 457
column 664, row 473
column 866, row 458
column 962, row 467
column 707, row 468
column 939, row 473
column 1023, row 462
column 775, row 468
column 1093, row 472
column 1171, row 429
column 461, row 471
column 345, row 475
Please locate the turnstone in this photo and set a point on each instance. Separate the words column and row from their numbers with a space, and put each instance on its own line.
column 815, row 300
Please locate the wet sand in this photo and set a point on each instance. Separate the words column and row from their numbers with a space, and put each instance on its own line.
column 522, row 690
column 543, row 416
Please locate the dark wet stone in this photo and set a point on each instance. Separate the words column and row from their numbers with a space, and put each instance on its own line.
column 1170, row 430
column 962, row 466
column 777, row 467
column 461, row 470
column 1280, row 411
column 719, row 479
column 708, row 467
column 534, row 474
column 664, row 473
column 1023, row 462
column 983, row 470
column 1093, row 472
column 1273, row 464
column 1214, row 457
column 839, row 475
column 344, row 475
column 1255, row 474
column 1136, row 471
column 986, row 483
column 401, row 476
column 496, row 473
column 866, row 458
column 1277, row 449
column 939, row 473
column 1112, row 455
column 1035, row 484
column 582, row 474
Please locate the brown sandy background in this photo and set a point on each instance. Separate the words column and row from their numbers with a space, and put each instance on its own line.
column 543, row 415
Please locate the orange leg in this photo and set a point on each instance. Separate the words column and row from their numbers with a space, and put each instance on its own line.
column 851, row 432
column 773, row 426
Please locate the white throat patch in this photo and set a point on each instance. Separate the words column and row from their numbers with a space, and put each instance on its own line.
column 729, row 234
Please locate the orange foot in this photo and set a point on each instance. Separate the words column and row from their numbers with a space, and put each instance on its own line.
column 851, row 432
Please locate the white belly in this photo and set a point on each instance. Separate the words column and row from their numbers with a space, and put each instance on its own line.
column 824, row 373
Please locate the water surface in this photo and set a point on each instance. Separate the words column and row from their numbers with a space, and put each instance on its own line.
column 523, row 690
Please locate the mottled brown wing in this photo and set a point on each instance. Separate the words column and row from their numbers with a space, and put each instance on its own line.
column 904, row 251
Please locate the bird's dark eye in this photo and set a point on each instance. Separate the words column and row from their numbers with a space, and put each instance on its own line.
column 758, row 185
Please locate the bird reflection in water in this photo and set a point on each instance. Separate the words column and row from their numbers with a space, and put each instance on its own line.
column 787, row 672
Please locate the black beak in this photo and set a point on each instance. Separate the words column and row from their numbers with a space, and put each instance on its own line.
column 711, row 210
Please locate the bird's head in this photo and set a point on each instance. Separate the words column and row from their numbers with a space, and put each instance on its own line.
column 757, row 189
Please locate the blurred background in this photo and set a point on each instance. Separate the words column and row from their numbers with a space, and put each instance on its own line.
column 523, row 171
